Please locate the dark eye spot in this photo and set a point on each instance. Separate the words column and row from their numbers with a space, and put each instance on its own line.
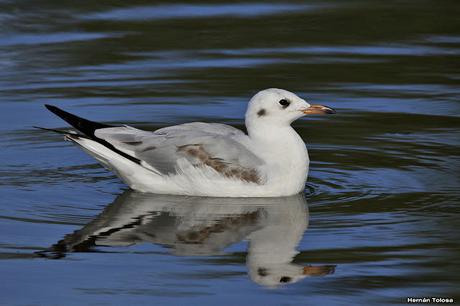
column 285, row 103
column 261, row 112
column 285, row 279
column 262, row 272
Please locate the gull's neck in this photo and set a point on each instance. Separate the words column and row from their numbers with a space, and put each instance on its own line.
column 284, row 153
column 267, row 132
column 278, row 144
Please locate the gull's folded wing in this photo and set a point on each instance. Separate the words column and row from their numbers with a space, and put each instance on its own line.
column 200, row 144
column 216, row 146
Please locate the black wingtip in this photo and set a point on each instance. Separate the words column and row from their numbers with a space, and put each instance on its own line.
column 85, row 126
column 88, row 128
column 57, row 111
column 52, row 130
column 51, row 107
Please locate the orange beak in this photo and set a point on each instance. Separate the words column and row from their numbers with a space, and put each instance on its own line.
column 317, row 109
column 318, row 270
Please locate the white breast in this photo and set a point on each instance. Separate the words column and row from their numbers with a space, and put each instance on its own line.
column 286, row 158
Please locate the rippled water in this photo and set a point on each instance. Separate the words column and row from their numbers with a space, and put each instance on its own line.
column 381, row 222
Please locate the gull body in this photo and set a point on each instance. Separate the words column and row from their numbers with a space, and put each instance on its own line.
column 208, row 159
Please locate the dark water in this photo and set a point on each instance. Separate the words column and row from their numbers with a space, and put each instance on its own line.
column 383, row 192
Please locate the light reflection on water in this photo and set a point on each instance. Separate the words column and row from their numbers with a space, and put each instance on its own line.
column 383, row 190
column 182, row 11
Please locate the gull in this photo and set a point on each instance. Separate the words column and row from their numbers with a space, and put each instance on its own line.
column 207, row 159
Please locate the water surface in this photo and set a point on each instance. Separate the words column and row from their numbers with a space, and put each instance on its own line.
column 381, row 223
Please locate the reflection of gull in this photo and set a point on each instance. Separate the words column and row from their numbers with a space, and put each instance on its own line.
column 204, row 226
column 273, row 247
column 208, row 159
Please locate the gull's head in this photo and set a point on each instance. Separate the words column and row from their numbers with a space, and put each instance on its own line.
column 280, row 107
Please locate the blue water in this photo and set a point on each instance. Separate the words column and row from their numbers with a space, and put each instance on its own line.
column 378, row 220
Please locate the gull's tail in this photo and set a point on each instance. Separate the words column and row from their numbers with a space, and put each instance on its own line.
column 128, row 167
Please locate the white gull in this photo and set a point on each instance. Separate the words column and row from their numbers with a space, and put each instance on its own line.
column 208, row 159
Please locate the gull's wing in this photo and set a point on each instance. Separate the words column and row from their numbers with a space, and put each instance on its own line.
column 217, row 146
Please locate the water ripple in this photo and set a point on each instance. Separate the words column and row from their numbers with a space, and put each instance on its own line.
column 187, row 11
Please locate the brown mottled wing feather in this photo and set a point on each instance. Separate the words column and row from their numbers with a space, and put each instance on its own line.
column 199, row 155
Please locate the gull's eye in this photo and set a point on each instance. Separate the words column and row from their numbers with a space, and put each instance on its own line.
column 285, row 279
column 285, row 103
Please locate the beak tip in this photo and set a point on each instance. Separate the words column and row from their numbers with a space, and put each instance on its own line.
column 318, row 109
column 330, row 111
